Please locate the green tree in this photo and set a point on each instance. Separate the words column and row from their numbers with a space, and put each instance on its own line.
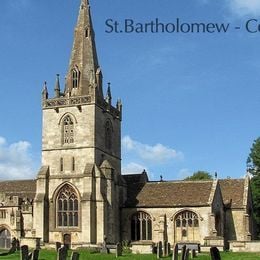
column 253, row 162
column 199, row 176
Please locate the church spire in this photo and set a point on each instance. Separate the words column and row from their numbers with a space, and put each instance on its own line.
column 84, row 75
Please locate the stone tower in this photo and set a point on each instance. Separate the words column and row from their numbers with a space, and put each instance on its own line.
column 78, row 185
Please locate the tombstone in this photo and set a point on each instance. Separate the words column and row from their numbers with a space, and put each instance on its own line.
column 104, row 249
column 165, row 248
column 35, row 254
column 17, row 245
column 187, row 254
column 24, row 252
column 62, row 253
column 183, row 251
column 193, row 253
column 175, row 252
column 168, row 248
column 58, row 246
column 159, row 250
column 74, row 256
column 118, row 250
column 214, row 253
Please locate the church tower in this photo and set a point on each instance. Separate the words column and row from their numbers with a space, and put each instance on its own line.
column 78, row 186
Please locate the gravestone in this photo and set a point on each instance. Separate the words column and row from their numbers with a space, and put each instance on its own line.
column 62, row 253
column 35, row 254
column 159, row 250
column 58, row 246
column 17, row 245
column 24, row 252
column 214, row 253
column 175, row 252
column 118, row 249
column 104, row 249
column 183, row 251
column 187, row 254
column 165, row 248
column 193, row 253
column 169, row 248
column 74, row 256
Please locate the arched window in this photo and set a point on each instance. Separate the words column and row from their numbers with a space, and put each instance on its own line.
column 67, row 207
column 75, row 78
column 186, row 226
column 5, row 238
column 108, row 135
column 141, row 226
column 68, row 130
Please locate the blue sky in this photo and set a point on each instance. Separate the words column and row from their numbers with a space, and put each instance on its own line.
column 190, row 101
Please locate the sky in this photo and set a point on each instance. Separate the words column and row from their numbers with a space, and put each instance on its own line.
column 190, row 100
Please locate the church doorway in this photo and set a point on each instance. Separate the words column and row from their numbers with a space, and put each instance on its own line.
column 67, row 240
column 5, row 238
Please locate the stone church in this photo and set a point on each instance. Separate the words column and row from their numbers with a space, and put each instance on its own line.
column 80, row 197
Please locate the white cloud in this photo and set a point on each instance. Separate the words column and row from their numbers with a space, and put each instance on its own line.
column 15, row 160
column 244, row 7
column 132, row 168
column 184, row 173
column 156, row 154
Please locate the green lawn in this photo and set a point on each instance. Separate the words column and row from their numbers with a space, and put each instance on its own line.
column 51, row 255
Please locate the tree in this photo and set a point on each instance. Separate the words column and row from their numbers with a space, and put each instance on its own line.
column 199, row 176
column 253, row 162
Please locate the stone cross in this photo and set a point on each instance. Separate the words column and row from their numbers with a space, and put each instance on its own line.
column 118, row 250
column 214, row 253
column 75, row 256
column 62, row 253
column 175, row 252
column 159, row 250
column 24, row 252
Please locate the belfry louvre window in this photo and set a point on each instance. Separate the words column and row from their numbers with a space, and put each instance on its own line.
column 67, row 207
column 75, row 78
column 68, row 130
column 141, row 226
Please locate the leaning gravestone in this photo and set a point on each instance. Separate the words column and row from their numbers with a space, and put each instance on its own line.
column 214, row 253
column 74, row 256
column 58, row 246
column 193, row 253
column 118, row 249
column 183, row 251
column 62, row 253
column 187, row 254
column 24, row 252
column 159, row 250
column 35, row 254
column 175, row 252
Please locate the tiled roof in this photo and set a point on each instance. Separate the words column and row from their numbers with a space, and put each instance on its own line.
column 168, row 194
column 21, row 188
column 232, row 192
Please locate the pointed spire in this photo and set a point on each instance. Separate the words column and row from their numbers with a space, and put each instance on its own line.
column 45, row 93
column 57, row 86
column 81, row 77
column 109, row 96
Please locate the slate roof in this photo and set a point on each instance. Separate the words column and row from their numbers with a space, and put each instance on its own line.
column 168, row 194
column 21, row 188
column 232, row 192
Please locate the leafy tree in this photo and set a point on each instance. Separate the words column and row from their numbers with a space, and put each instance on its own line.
column 199, row 176
column 253, row 162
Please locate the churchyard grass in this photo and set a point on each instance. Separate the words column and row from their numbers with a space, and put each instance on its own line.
column 84, row 255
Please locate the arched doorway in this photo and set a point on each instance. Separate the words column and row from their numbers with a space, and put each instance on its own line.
column 186, row 226
column 5, row 238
